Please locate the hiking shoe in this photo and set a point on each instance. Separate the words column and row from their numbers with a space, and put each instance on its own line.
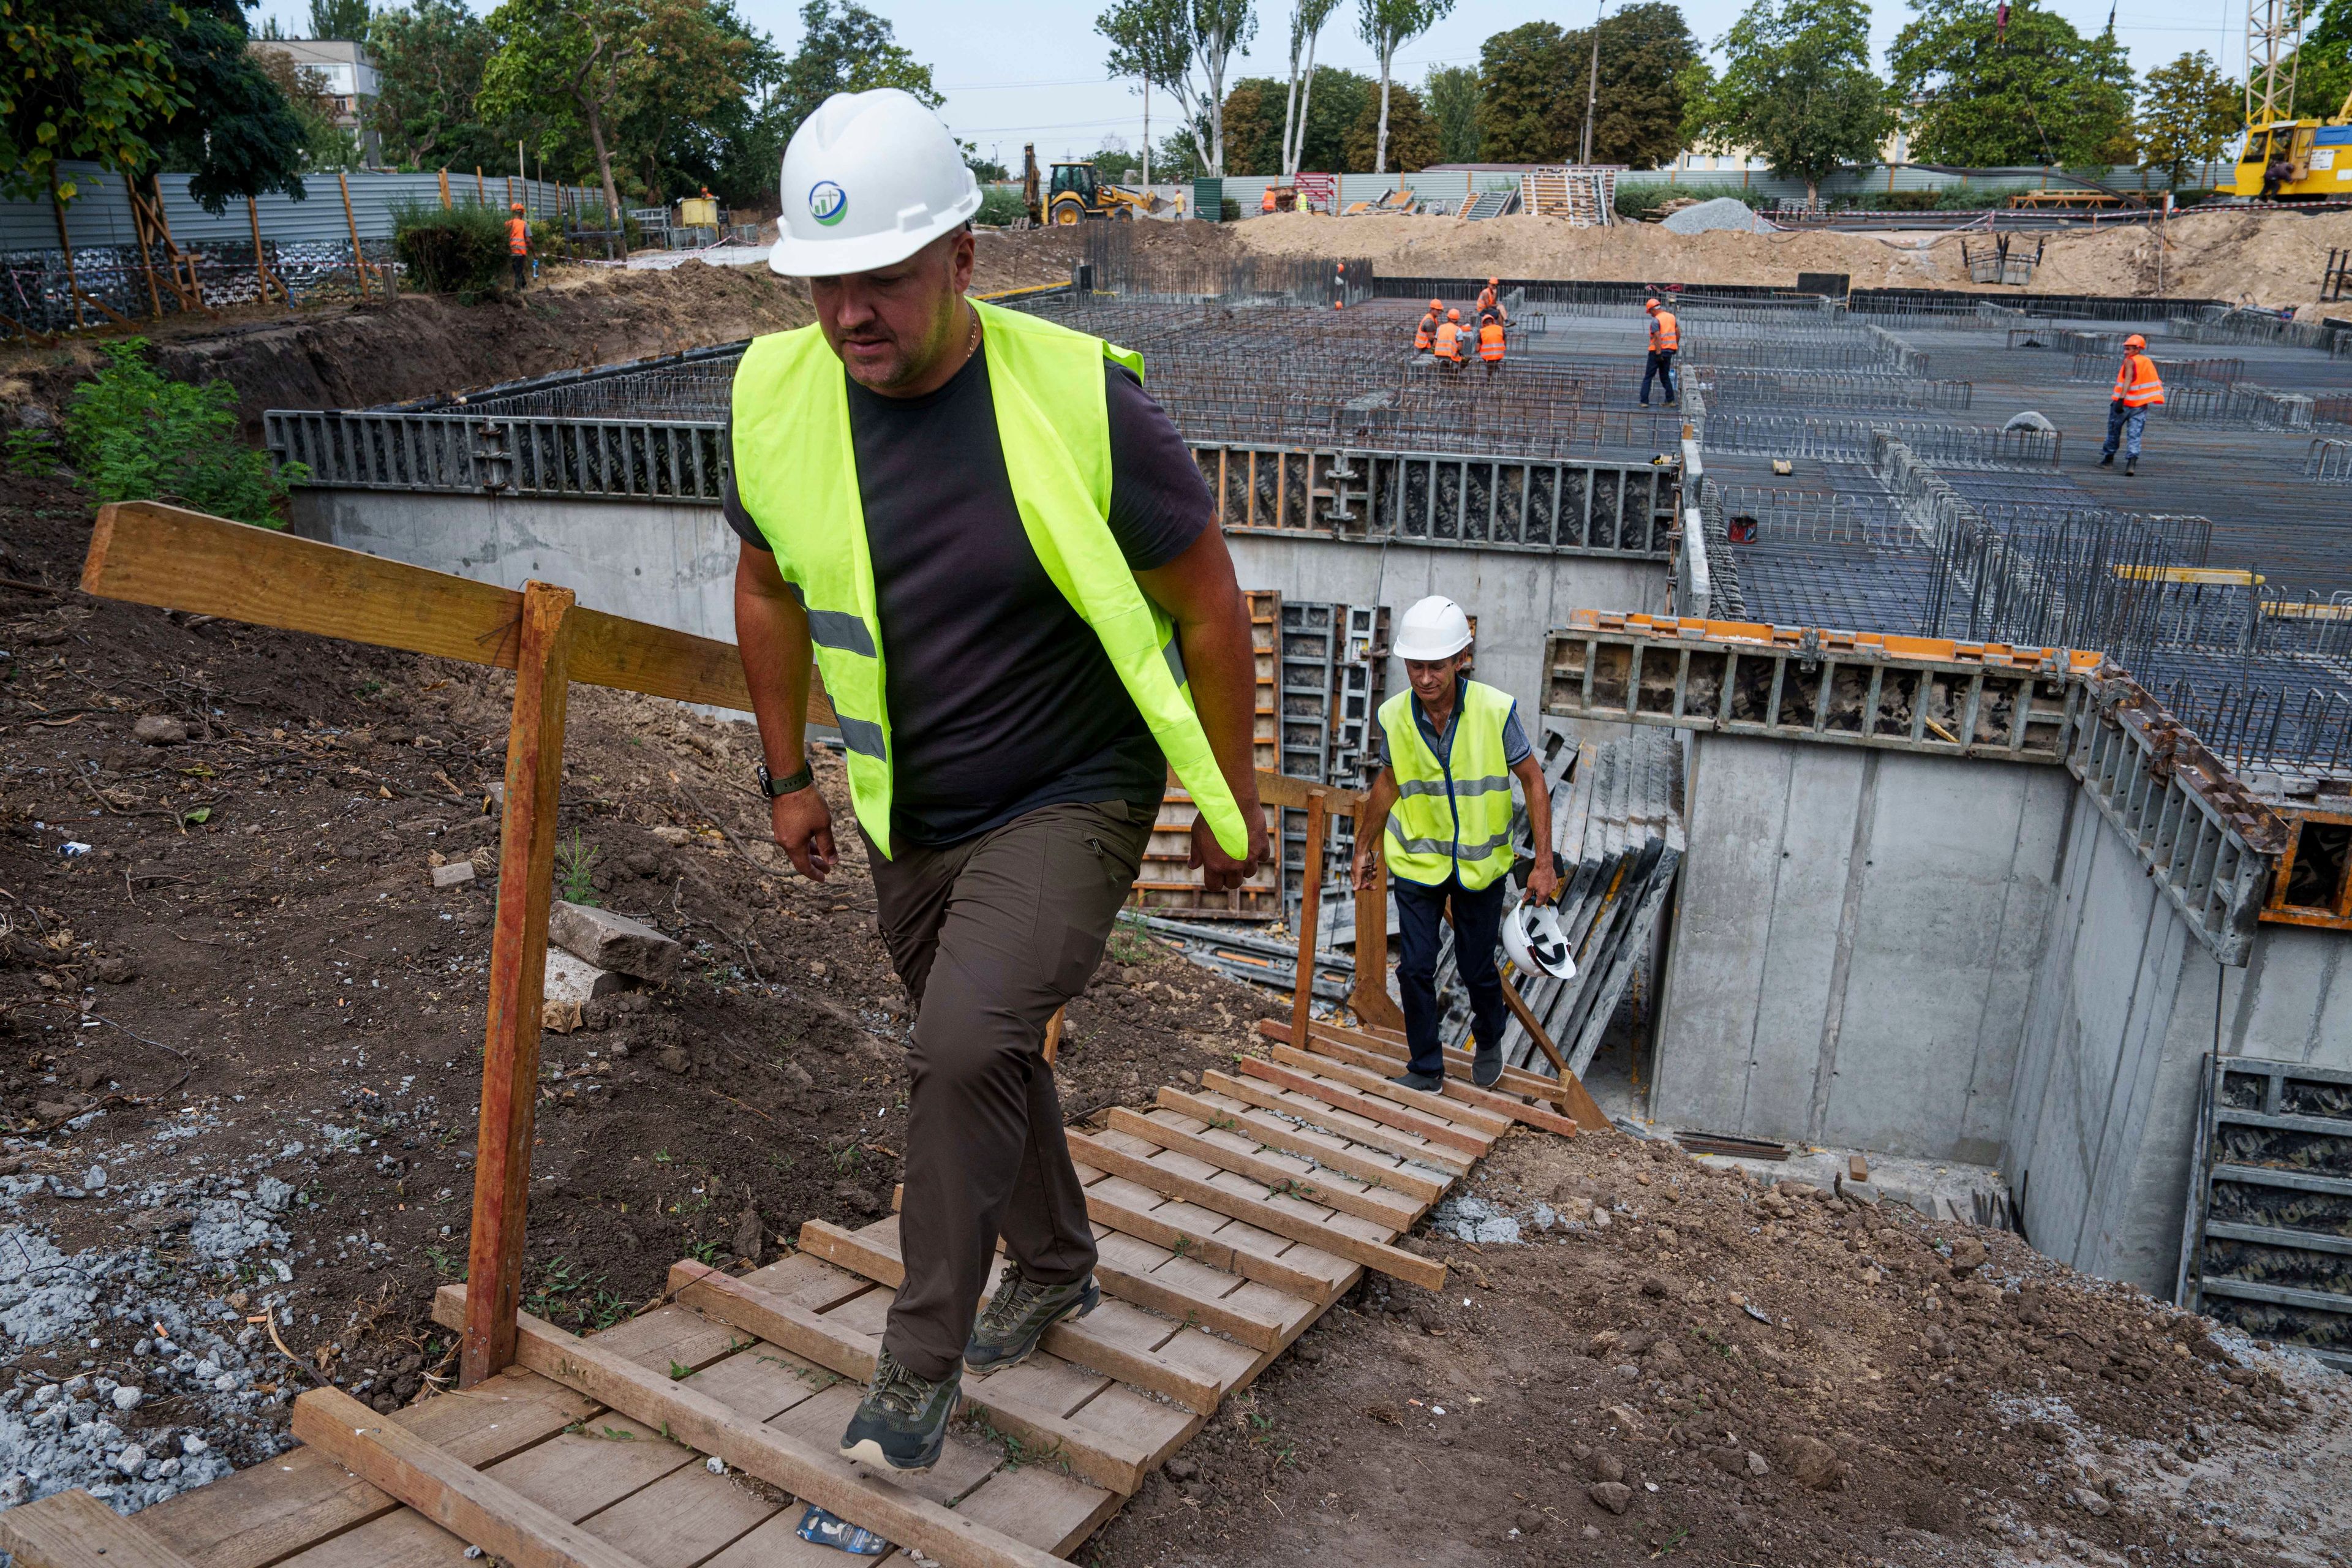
column 1018, row 1315
column 1486, row 1067
column 902, row 1422
column 1427, row 1082
column 2107, row 459
column 2129, row 464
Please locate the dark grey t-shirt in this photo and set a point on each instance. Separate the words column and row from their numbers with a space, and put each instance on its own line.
column 1002, row 699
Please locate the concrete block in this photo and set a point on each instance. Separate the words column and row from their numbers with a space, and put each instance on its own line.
column 612, row 941
column 453, row 873
column 570, row 979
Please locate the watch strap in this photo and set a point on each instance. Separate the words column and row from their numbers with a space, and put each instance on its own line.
column 792, row 784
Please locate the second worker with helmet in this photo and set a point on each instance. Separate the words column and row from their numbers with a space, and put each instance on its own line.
column 1440, row 814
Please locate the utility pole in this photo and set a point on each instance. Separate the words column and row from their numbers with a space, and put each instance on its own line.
column 1591, row 89
column 1147, row 135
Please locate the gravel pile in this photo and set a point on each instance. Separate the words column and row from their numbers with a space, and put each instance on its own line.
column 1723, row 213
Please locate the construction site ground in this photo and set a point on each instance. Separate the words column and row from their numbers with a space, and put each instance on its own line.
column 240, row 1036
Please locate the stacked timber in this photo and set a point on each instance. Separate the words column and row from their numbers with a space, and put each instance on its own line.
column 1617, row 822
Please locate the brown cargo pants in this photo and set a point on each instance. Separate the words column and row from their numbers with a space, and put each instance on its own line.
column 991, row 936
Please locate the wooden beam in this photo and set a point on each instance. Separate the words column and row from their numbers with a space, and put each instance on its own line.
column 1449, row 1164
column 1371, row 1050
column 1370, row 997
column 1569, row 1089
column 1275, row 1133
column 74, row 1530
column 1394, row 1210
column 1459, row 1096
column 1488, row 1124
column 518, row 979
column 702, row 1422
column 1112, row 1209
column 1310, row 905
column 1386, row 1113
column 873, row 1254
column 1393, row 1261
column 478, row 1508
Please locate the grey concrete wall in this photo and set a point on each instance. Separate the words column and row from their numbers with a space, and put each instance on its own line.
column 1517, row 596
column 1854, row 945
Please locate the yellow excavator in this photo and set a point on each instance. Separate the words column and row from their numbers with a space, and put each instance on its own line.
column 1077, row 193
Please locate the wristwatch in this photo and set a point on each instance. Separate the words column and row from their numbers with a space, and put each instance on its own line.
column 792, row 784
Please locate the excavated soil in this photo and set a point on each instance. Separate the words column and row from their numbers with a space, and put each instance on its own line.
column 1725, row 1374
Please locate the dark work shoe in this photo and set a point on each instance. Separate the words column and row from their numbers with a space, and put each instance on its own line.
column 1018, row 1315
column 902, row 1422
column 1486, row 1066
column 2129, row 464
column 2107, row 459
column 1427, row 1082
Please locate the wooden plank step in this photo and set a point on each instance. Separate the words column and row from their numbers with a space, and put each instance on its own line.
column 1108, row 1459
column 1229, row 1150
column 693, row 1417
column 1205, row 1235
column 1191, row 1291
column 1447, row 1164
column 1374, row 1166
column 1371, row 1107
column 74, row 1530
column 1509, row 1107
column 478, row 1508
column 1276, row 1217
column 874, row 1253
column 1490, row 1124
column 1390, row 1046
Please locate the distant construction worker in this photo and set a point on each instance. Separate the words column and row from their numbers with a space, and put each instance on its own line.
column 1490, row 302
column 1440, row 814
column 1490, row 341
column 1665, row 337
column 1426, row 334
column 1266, row 202
column 2137, row 389
column 1448, row 347
column 903, row 471
column 518, row 247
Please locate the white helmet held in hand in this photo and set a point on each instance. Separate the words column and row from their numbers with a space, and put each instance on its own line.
column 1434, row 628
column 1532, row 937
column 869, row 180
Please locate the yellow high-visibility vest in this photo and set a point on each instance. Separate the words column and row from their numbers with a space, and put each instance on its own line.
column 1449, row 818
column 797, row 475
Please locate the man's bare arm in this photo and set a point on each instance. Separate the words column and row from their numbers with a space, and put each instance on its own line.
column 771, row 634
column 1543, row 881
column 1199, row 592
column 1371, row 822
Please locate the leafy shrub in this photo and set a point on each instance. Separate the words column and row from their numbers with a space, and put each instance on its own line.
column 460, row 249
column 1643, row 199
column 1000, row 206
column 136, row 435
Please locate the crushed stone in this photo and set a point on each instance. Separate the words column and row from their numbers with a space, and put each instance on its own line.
column 1723, row 213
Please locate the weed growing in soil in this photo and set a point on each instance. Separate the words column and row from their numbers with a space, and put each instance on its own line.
column 565, row 1294
column 1129, row 941
column 575, row 868
column 137, row 436
column 30, row 452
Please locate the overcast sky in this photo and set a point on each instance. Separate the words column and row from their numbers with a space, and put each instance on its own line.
column 1034, row 72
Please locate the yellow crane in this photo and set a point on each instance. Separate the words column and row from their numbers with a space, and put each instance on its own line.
column 2283, row 158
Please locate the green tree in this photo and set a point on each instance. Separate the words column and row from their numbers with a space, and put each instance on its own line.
column 1412, row 139
column 1340, row 100
column 1183, row 47
column 1116, row 161
column 429, row 60
column 75, row 82
column 1797, row 88
column 733, row 143
column 1253, row 120
column 1306, row 19
column 848, row 48
column 1387, row 25
column 2040, row 95
column 2187, row 112
column 1531, row 89
column 2323, row 64
column 1452, row 94
column 345, row 19
column 1521, row 76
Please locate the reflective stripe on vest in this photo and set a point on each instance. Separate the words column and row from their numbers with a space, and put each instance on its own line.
column 796, row 473
column 1421, row 335
column 1449, row 341
column 517, row 237
column 1666, row 333
column 1490, row 341
column 2136, row 383
column 1450, row 819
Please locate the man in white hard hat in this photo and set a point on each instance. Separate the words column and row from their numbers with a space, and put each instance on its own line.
column 1441, row 814
column 1007, row 565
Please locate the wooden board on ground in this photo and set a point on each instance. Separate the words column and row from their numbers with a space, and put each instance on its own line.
column 1372, row 1108
column 1488, row 1124
column 1366, row 1162
column 1447, row 1164
column 74, row 1530
column 1508, row 1107
column 1224, row 1147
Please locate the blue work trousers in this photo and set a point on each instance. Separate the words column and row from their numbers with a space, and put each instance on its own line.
column 1660, row 366
column 2123, row 425
column 1477, row 927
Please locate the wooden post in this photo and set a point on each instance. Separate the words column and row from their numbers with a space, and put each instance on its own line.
column 517, row 981
column 65, row 243
column 444, row 189
column 358, row 262
column 1375, row 1008
column 260, row 268
column 1310, row 899
column 146, row 248
column 481, row 193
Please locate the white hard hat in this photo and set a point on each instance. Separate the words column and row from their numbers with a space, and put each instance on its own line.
column 1434, row 628
column 1536, row 944
column 869, row 180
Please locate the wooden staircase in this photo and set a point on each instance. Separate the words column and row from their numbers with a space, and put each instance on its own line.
column 1585, row 197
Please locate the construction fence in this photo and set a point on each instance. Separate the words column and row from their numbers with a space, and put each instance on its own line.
column 115, row 253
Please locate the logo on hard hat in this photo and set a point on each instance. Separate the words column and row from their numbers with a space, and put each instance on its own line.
column 827, row 202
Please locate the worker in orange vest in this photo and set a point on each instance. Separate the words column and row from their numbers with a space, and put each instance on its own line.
column 2137, row 389
column 1665, row 337
column 1266, row 202
column 1426, row 334
column 1490, row 341
column 1490, row 302
column 518, row 247
column 1449, row 339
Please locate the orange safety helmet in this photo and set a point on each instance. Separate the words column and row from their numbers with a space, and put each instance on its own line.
column 1437, row 304
column 1494, row 283
column 1452, row 315
column 516, row 207
column 2135, row 342
column 1649, row 304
